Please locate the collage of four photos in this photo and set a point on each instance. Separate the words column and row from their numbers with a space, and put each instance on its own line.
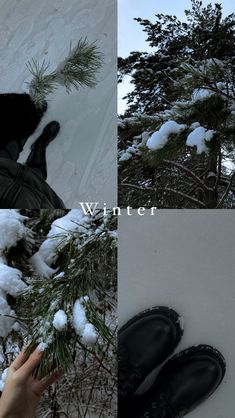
column 117, row 184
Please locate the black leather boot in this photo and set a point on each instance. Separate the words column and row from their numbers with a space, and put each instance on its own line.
column 37, row 156
column 144, row 342
column 185, row 381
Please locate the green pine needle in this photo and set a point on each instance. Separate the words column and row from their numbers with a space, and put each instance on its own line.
column 79, row 69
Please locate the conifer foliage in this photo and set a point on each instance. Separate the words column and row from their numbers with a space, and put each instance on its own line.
column 58, row 289
column 79, row 69
column 177, row 136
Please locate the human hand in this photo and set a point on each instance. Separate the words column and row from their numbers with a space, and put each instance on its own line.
column 22, row 391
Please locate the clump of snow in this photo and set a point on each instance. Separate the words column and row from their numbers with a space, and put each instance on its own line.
column 194, row 125
column 201, row 94
column 89, row 335
column 12, row 228
column 60, row 320
column 60, row 275
column 61, row 229
column 42, row 347
column 6, row 322
column 134, row 149
column 41, row 267
column 79, row 317
column 10, row 280
column 160, row 138
column 81, row 325
column 198, row 138
column 10, row 284
column 125, row 156
column 3, row 379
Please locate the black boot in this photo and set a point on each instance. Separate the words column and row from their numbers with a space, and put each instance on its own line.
column 37, row 156
column 144, row 342
column 185, row 381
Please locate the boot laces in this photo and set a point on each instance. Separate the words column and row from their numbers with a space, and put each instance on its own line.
column 127, row 375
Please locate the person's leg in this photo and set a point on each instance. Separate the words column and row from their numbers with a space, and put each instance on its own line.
column 37, row 156
column 184, row 382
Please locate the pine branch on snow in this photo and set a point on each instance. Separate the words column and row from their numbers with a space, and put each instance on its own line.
column 79, row 69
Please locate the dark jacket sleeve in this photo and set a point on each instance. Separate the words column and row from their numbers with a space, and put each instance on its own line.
column 22, row 187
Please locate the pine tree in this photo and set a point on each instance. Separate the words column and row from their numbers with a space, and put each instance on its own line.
column 66, row 300
column 189, row 79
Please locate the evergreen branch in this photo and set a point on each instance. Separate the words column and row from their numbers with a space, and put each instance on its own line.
column 189, row 172
column 82, row 263
column 79, row 69
column 81, row 66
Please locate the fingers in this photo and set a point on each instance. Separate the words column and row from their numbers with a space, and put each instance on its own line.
column 43, row 384
column 31, row 364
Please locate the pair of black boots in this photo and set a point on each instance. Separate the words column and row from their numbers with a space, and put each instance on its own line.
column 184, row 381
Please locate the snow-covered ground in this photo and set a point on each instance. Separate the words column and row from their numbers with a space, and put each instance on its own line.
column 184, row 259
column 82, row 159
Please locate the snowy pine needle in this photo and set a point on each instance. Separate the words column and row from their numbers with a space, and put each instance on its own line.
column 81, row 66
column 42, row 83
column 79, row 69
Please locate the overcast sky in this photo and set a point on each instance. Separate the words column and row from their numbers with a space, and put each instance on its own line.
column 130, row 35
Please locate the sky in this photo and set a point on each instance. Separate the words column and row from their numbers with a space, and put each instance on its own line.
column 132, row 38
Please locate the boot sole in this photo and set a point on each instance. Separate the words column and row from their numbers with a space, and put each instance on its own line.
column 165, row 312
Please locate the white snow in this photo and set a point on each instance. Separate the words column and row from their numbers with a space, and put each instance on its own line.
column 10, row 283
column 60, row 320
column 79, row 317
column 201, row 94
column 42, row 347
column 3, row 379
column 10, row 280
column 73, row 222
column 89, row 335
column 160, row 138
column 85, row 149
column 198, row 138
column 186, row 264
column 81, row 325
column 6, row 322
column 12, row 228
column 40, row 266
column 125, row 156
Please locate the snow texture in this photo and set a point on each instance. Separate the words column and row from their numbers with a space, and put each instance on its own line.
column 10, row 283
column 160, row 138
column 12, row 228
column 6, row 322
column 42, row 347
column 198, row 138
column 73, row 222
column 201, row 94
column 60, row 320
column 10, row 280
column 82, row 159
column 183, row 259
column 81, row 325
column 3, row 379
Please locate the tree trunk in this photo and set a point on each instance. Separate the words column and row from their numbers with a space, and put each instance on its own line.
column 211, row 197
